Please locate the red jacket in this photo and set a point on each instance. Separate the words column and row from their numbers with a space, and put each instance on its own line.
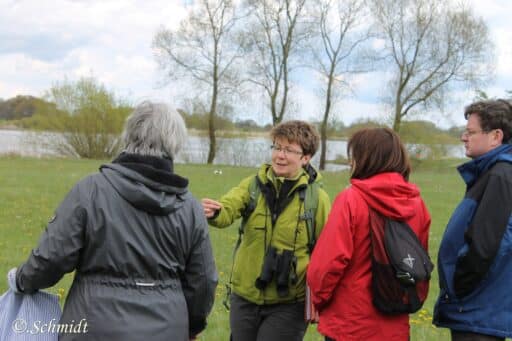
column 339, row 273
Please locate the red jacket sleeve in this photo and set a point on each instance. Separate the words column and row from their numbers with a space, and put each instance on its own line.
column 332, row 252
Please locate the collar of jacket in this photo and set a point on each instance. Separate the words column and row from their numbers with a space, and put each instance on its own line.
column 157, row 169
column 471, row 171
column 266, row 175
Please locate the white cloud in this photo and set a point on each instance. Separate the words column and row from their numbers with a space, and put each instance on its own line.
column 45, row 42
column 307, row 102
column 503, row 40
column 23, row 75
column 496, row 13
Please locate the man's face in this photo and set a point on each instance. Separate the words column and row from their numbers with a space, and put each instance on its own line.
column 477, row 141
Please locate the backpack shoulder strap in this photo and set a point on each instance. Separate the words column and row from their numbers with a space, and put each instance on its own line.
column 309, row 195
column 254, row 193
column 377, row 227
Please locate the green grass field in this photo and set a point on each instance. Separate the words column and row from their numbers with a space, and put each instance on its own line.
column 30, row 190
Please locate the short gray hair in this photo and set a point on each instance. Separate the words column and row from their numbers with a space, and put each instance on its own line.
column 154, row 129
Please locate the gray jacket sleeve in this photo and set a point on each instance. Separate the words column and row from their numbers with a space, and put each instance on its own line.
column 200, row 277
column 59, row 247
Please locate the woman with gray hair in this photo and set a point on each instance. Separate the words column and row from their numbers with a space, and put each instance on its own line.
column 137, row 240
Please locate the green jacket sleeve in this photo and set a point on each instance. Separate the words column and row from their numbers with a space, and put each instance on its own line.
column 233, row 203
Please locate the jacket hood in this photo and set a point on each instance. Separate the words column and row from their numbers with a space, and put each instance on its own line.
column 146, row 184
column 388, row 194
column 471, row 171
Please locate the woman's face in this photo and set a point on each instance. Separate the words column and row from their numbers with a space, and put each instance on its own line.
column 287, row 158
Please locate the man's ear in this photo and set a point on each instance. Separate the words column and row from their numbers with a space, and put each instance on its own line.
column 498, row 137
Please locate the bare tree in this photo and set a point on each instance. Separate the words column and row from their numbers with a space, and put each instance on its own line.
column 273, row 39
column 431, row 46
column 202, row 49
column 340, row 29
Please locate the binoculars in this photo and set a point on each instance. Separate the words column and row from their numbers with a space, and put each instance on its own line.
column 282, row 267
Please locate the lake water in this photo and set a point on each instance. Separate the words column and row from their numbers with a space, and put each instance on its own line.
column 250, row 151
column 24, row 143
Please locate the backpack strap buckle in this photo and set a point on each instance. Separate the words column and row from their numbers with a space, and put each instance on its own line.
column 308, row 215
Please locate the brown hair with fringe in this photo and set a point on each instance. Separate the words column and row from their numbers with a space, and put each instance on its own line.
column 300, row 132
column 377, row 150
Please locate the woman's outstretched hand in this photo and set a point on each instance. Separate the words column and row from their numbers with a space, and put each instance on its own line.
column 210, row 207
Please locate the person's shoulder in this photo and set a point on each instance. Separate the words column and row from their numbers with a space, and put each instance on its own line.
column 502, row 169
column 244, row 185
column 89, row 181
column 248, row 180
column 83, row 190
column 348, row 194
column 321, row 192
column 241, row 191
column 502, row 165
column 186, row 195
column 191, row 201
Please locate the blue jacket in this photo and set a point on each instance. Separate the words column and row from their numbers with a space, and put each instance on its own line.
column 475, row 256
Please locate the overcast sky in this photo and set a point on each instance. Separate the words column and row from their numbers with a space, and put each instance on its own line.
column 43, row 42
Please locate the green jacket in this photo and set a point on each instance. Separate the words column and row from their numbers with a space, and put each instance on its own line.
column 259, row 234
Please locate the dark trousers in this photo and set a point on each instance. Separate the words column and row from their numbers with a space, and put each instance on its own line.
column 275, row 322
column 468, row 336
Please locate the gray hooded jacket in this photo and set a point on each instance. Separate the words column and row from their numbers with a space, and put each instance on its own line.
column 139, row 243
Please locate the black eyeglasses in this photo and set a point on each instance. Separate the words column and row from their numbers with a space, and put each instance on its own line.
column 286, row 151
column 468, row 133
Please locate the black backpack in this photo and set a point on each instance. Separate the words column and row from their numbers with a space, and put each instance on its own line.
column 401, row 267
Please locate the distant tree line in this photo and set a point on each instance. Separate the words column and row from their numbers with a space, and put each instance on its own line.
column 24, row 106
column 84, row 103
column 30, row 112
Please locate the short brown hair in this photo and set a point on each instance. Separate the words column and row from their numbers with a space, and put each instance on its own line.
column 377, row 150
column 493, row 114
column 300, row 132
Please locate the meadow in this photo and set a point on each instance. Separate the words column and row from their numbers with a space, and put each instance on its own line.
column 31, row 189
